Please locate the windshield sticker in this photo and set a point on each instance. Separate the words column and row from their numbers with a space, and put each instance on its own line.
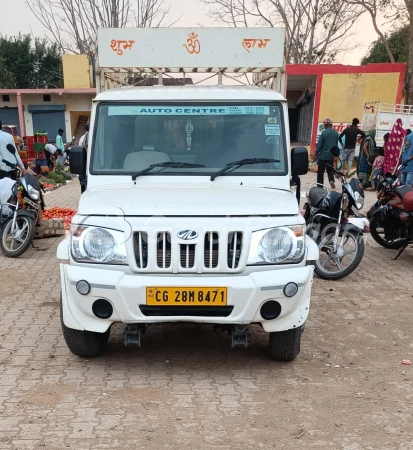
column 272, row 120
column 272, row 130
column 187, row 110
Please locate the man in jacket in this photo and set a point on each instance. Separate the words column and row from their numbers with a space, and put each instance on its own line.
column 328, row 139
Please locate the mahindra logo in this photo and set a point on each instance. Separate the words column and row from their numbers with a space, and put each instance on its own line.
column 187, row 235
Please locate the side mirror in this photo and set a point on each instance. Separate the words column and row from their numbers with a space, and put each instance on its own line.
column 78, row 159
column 299, row 161
column 11, row 149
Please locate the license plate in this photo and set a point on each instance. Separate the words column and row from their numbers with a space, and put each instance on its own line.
column 183, row 296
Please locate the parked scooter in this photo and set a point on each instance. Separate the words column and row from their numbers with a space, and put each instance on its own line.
column 391, row 224
column 20, row 211
column 327, row 217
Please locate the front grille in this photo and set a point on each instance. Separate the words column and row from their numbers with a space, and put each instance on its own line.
column 141, row 249
column 187, row 255
column 234, row 249
column 211, row 250
column 200, row 311
column 163, row 251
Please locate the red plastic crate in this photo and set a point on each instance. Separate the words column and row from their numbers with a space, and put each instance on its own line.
column 42, row 139
column 40, row 155
column 31, row 154
column 30, row 147
column 29, row 140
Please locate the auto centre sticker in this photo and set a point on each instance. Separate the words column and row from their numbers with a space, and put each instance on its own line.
column 272, row 129
column 185, row 110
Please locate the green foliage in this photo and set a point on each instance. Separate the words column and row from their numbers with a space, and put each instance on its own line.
column 398, row 41
column 56, row 178
column 29, row 64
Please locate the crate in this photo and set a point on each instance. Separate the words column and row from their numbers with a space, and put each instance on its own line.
column 29, row 140
column 31, row 154
column 40, row 155
column 23, row 154
column 30, row 147
column 42, row 139
column 38, row 147
column 41, row 162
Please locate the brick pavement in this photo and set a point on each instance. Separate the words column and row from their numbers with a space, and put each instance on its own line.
column 186, row 389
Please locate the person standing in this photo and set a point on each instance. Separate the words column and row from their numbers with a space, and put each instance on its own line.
column 393, row 148
column 367, row 156
column 7, row 160
column 83, row 142
column 408, row 141
column 349, row 147
column 59, row 140
column 328, row 139
column 407, row 158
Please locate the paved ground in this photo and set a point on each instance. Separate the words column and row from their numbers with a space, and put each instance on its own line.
column 186, row 389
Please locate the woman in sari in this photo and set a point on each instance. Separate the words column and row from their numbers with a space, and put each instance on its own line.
column 368, row 154
column 393, row 148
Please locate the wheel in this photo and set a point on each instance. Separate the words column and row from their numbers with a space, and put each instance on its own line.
column 339, row 264
column 87, row 344
column 285, row 345
column 377, row 233
column 15, row 243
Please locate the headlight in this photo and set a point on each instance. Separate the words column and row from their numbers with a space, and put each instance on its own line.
column 359, row 200
column 33, row 193
column 280, row 245
column 98, row 245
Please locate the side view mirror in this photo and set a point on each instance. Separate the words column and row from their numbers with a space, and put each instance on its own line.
column 78, row 159
column 299, row 161
column 11, row 149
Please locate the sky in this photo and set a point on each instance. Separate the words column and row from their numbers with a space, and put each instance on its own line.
column 19, row 18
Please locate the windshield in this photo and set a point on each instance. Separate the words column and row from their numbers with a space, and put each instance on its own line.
column 130, row 137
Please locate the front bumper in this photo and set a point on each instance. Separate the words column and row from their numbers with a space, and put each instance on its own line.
column 127, row 293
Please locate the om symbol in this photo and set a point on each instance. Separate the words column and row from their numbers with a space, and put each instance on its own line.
column 193, row 45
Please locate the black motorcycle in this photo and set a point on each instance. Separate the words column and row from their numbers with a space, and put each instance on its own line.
column 19, row 214
column 327, row 217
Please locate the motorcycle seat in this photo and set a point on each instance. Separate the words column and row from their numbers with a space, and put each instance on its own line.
column 403, row 190
column 316, row 195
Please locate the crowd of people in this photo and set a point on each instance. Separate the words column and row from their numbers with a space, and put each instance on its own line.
column 372, row 161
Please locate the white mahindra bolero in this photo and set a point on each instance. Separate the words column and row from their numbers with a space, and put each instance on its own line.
column 188, row 216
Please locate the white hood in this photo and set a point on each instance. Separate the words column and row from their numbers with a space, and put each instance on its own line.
column 186, row 200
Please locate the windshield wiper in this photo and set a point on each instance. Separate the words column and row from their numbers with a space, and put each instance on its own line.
column 242, row 162
column 173, row 165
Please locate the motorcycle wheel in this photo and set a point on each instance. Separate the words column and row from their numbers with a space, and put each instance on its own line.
column 377, row 233
column 338, row 265
column 15, row 244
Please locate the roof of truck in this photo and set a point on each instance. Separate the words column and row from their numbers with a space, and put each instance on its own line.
column 191, row 93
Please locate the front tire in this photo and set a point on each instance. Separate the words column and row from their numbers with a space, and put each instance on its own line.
column 285, row 345
column 86, row 344
column 332, row 267
column 376, row 234
column 14, row 244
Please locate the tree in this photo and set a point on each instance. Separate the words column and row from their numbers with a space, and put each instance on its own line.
column 316, row 30
column 397, row 43
column 29, row 64
column 373, row 7
column 72, row 24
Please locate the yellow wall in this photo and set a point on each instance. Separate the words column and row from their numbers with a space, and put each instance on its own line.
column 344, row 95
column 76, row 71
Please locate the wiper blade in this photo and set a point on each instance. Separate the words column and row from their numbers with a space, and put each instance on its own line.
column 242, row 162
column 171, row 164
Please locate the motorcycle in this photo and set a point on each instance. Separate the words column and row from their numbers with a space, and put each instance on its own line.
column 327, row 216
column 391, row 217
column 20, row 211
